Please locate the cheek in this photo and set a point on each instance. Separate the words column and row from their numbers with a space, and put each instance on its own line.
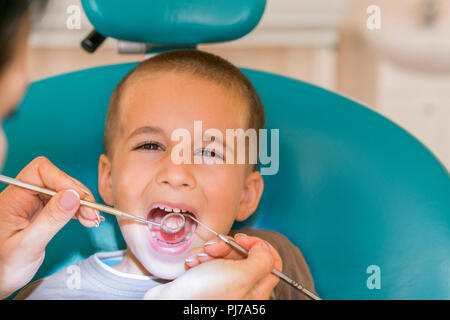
column 223, row 191
column 130, row 179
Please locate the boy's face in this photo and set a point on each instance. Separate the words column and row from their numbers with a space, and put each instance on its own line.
column 140, row 176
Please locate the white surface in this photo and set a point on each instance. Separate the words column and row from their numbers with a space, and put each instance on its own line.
column 420, row 103
column 422, row 49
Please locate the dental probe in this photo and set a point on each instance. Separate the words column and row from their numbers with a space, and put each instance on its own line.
column 93, row 205
column 244, row 251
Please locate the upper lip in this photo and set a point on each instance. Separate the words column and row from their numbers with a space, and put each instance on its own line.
column 173, row 205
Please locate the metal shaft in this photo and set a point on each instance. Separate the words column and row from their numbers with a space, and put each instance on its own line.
column 85, row 203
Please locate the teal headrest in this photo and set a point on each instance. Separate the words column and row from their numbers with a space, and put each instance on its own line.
column 174, row 22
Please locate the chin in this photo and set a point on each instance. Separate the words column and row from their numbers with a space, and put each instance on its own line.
column 163, row 265
column 165, row 270
column 160, row 261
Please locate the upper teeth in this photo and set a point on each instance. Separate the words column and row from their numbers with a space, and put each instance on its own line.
column 176, row 210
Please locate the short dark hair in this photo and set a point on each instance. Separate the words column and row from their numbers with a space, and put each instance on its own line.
column 12, row 13
column 196, row 62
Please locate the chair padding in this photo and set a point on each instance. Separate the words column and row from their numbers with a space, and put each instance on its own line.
column 174, row 22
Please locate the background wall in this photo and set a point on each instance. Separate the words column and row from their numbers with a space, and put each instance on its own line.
column 401, row 70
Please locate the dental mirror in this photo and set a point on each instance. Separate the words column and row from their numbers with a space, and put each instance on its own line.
column 173, row 222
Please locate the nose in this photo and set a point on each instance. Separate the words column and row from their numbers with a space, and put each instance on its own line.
column 176, row 176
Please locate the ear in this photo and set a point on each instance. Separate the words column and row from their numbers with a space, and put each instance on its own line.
column 254, row 186
column 105, row 179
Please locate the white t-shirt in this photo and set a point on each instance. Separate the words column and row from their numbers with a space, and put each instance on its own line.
column 93, row 278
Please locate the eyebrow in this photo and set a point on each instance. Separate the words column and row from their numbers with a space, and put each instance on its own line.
column 145, row 130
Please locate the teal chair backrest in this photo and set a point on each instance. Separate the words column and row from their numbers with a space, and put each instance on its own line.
column 174, row 22
column 354, row 191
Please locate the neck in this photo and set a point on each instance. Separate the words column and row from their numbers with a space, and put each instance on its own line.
column 130, row 264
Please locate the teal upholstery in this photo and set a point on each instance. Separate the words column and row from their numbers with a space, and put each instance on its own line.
column 353, row 189
column 174, row 22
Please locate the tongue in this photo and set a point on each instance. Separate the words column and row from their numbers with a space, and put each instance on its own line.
column 172, row 237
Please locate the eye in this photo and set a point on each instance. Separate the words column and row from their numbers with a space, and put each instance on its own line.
column 150, row 146
column 209, row 153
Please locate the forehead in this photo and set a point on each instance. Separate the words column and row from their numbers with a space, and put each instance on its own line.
column 174, row 100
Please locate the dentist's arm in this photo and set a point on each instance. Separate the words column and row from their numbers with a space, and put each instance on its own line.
column 28, row 221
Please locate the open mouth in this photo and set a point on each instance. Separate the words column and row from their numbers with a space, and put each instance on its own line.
column 170, row 240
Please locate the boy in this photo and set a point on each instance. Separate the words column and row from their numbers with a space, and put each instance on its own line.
column 138, row 174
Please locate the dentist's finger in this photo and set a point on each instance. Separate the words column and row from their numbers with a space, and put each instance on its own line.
column 196, row 257
column 85, row 221
column 217, row 248
column 52, row 218
column 41, row 172
column 191, row 259
column 263, row 288
column 204, row 257
column 87, row 216
column 260, row 262
column 249, row 241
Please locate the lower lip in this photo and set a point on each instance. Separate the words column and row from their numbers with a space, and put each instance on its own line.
column 170, row 249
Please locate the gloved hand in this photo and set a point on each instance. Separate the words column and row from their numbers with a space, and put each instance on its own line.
column 226, row 274
column 28, row 220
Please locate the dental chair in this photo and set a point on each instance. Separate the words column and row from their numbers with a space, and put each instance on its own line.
column 365, row 201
